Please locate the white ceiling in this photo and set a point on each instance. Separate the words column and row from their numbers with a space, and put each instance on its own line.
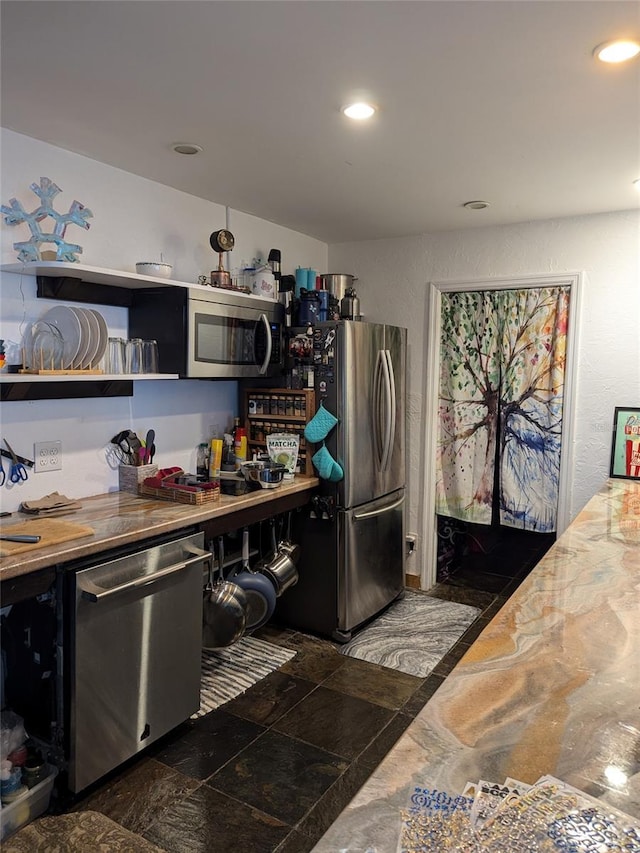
column 500, row 101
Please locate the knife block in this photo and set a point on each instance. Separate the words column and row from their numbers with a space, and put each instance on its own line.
column 132, row 476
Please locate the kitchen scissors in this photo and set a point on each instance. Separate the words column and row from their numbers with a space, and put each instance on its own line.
column 18, row 471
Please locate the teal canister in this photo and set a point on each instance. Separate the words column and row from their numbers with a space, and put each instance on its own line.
column 302, row 280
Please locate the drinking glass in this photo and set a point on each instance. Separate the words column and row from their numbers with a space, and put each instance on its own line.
column 149, row 356
column 134, row 355
column 116, row 356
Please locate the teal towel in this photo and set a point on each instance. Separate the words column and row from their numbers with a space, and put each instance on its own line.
column 320, row 425
column 326, row 465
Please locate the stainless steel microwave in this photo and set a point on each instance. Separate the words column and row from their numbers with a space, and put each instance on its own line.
column 210, row 333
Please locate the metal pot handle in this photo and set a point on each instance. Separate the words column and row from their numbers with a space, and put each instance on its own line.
column 221, row 556
column 245, row 549
column 209, row 584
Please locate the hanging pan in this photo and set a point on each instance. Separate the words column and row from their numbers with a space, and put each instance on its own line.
column 280, row 568
column 224, row 609
column 259, row 590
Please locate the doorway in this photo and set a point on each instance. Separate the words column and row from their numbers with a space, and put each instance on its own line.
column 487, row 558
column 474, row 542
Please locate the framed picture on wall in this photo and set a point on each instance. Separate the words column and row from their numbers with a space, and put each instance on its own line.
column 625, row 444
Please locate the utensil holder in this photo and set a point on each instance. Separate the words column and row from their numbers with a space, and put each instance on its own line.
column 132, row 476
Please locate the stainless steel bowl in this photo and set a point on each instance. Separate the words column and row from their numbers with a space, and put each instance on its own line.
column 263, row 474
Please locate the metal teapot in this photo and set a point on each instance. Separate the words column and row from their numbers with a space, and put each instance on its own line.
column 350, row 305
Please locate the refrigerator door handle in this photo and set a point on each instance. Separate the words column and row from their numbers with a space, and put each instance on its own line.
column 357, row 516
column 389, row 405
column 391, row 423
column 377, row 409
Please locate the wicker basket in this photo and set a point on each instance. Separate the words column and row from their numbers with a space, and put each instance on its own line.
column 166, row 493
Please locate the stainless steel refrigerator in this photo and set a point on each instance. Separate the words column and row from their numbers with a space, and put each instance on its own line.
column 352, row 535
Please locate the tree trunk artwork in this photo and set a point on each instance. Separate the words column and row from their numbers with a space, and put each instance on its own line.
column 502, row 361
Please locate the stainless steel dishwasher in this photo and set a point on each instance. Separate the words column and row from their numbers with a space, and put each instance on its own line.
column 136, row 640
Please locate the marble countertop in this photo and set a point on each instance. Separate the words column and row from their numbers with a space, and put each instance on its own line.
column 551, row 686
column 122, row 518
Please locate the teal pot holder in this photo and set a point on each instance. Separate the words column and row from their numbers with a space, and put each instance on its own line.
column 320, row 425
column 326, row 465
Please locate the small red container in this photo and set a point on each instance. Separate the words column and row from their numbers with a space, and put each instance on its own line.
column 18, row 756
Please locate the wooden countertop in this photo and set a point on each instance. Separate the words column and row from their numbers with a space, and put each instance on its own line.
column 551, row 686
column 122, row 518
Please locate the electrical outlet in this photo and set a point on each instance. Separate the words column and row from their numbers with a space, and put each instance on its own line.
column 47, row 456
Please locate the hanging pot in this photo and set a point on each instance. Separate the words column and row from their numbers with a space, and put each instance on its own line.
column 224, row 610
column 281, row 570
column 260, row 591
column 280, row 566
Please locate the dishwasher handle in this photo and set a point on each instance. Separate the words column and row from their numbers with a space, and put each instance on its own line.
column 94, row 593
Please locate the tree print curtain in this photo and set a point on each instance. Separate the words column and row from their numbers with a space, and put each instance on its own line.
column 502, row 362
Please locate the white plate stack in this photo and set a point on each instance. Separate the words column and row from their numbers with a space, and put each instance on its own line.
column 66, row 338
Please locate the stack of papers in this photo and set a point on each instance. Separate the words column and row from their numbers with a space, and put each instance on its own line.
column 513, row 817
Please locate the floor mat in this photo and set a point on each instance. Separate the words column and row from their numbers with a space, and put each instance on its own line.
column 227, row 673
column 413, row 635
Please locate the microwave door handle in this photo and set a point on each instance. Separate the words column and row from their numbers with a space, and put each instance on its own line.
column 267, row 357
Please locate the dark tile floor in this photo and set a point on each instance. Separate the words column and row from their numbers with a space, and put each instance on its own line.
column 271, row 770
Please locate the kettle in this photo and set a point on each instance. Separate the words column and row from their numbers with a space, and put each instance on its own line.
column 350, row 305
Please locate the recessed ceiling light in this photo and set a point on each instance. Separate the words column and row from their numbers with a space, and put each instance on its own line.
column 359, row 111
column 476, row 205
column 636, row 184
column 186, row 148
column 617, row 51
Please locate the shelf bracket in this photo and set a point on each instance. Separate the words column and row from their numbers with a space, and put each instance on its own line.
column 14, row 391
column 77, row 290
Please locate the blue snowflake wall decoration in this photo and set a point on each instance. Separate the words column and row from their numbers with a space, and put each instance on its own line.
column 29, row 250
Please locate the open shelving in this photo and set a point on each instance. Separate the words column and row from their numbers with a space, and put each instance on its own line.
column 80, row 283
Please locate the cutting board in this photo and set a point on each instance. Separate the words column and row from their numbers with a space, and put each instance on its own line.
column 50, row 530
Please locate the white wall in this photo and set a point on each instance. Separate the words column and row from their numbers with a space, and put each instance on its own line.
column 134, row 219
column 393, row 285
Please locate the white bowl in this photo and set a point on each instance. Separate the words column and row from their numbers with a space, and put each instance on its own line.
column 157, row 270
